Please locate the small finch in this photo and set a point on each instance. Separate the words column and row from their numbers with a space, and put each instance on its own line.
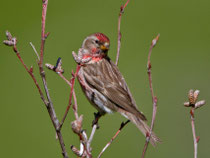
column 104, row 86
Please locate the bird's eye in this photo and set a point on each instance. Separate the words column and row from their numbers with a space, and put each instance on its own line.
column 97, row 41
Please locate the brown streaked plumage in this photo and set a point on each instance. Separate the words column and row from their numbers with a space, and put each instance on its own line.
column 105, row 87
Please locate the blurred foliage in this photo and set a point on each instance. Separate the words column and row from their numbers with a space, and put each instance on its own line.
column 180, row 61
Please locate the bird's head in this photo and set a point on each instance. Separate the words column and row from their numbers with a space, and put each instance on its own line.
column 96, row 44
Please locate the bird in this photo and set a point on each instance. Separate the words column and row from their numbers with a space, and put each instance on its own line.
column 103, row 84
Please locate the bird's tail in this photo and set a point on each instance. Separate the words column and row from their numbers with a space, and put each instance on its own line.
column 143, row 127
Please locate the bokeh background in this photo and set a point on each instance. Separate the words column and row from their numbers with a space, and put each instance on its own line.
column 180, row 62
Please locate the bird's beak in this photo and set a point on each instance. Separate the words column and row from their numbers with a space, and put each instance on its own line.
column 105, row 47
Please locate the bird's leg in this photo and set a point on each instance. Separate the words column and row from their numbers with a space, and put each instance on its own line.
column 97, row 117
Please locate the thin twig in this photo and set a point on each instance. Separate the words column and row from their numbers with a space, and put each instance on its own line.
column 72, row 92
column 119, row 33
column 43, row 36
column 195, row 140
column 113, row 138
column 91, row 137
column 154, row 98
column 67, row 81
column 35, row 50
column 68, row 107
column 30, row 72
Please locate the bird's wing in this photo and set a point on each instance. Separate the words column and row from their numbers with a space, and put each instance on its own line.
column 105, row 77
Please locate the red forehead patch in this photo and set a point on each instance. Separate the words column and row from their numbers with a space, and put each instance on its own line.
column 102, row 37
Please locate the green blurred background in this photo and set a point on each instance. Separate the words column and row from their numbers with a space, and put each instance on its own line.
column 180, row 62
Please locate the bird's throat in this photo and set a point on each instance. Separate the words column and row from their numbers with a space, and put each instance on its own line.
column 94, row 58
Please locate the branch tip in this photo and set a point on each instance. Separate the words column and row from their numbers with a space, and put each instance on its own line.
column 193, row 97
column 123, row 7
column 155, row 40
column 11, row 41
column 57, row 68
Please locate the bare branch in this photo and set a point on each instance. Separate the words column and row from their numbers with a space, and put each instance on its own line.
column 154, row 98
column 122, row 8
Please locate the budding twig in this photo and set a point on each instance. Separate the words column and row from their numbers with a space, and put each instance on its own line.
column 192, row 97
column 72, row 92
column 154, row 98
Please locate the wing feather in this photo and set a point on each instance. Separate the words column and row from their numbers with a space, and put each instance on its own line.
column 105, row 77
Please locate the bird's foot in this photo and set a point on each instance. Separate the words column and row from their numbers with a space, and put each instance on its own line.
column 97, row 117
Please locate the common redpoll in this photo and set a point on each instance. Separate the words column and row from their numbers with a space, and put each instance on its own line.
column 103, row 84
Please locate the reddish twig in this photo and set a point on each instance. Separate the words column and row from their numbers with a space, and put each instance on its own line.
column 75, row 101
column 43, row 35
column 154, row 98
column 113, row 138
column 119, row 33
column 58, row 69
column 67, row 81
column 72, row 93
column 12, row 42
